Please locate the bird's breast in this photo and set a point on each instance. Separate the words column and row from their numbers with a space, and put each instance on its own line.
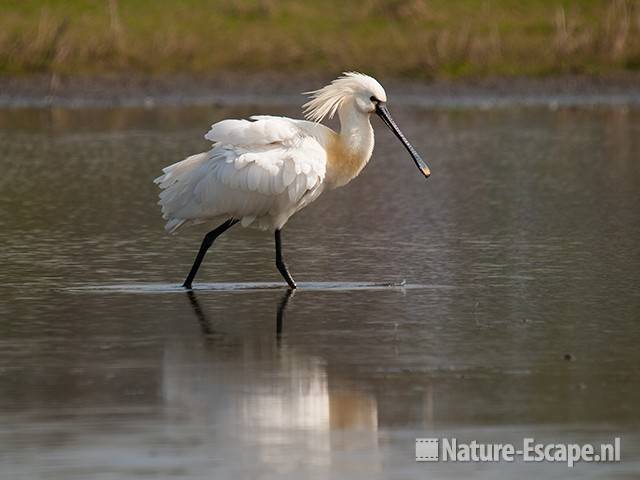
column 345, row 160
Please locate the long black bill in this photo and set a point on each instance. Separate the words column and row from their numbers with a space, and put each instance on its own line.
column 383, row 113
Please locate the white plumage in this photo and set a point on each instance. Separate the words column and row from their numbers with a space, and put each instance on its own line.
column 263, row 170
column 260, row 172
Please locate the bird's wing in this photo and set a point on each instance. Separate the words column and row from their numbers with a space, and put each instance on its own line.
column 265, row 167
column 260, row 130
column 267, row 155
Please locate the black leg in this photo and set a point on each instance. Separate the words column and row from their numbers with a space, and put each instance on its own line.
column 282, row 268
column 206, row 243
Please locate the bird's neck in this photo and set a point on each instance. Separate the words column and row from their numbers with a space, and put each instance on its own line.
column 352, row 147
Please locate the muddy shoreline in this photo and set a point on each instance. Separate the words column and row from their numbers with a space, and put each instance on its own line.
column 43, row 91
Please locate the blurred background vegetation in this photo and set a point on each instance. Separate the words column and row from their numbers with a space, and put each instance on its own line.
column 410, row 38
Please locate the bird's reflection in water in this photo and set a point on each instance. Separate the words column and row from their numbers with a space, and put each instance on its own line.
column 205, row 323
column 282, row 306
column 281, row 402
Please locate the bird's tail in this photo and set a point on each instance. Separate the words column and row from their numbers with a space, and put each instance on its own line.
column 177, row 185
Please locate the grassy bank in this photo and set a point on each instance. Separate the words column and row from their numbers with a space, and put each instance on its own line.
column 413, row 38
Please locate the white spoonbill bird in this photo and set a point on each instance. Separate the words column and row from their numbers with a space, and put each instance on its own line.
column 261, row 171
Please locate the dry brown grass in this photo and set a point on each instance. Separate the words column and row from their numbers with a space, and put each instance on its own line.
column 419, row 38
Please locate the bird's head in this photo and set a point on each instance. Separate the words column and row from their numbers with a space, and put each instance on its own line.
column 362, row 89
column 367, row 96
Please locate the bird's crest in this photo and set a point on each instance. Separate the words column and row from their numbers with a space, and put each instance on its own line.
column 327, row 100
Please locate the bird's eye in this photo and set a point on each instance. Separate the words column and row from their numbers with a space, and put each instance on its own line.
column 374, row 99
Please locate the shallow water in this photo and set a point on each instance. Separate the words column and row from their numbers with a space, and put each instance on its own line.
column 518, row 316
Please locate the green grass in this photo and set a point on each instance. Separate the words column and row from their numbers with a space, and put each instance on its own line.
column 412, row 38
